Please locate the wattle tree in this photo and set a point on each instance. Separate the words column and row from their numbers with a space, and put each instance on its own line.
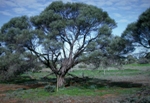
column 60, row 34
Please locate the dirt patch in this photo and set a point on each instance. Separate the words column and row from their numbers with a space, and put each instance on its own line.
column 8, row 87
column 11, row 87
column 108, row 96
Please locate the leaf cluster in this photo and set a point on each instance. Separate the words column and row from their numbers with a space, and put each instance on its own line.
column 139, row 31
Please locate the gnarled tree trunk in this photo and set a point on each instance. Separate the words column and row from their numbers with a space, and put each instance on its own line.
column 60, row 80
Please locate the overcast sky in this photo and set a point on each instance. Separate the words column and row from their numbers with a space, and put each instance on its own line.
column 123, row 11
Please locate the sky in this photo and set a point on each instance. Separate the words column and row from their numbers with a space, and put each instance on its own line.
column 122, row 11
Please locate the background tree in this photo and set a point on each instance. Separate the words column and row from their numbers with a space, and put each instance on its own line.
column 14, row 58
column 139, row 31
column 110, row 51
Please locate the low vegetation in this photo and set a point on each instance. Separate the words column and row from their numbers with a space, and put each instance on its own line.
column 83, row 83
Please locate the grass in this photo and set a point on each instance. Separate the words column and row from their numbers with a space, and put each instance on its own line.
column 97, row 83
column 100, row 73
column 75, row 91
column 41, row 94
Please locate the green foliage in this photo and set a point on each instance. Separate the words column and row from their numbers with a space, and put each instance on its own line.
column 107, row 51
column 50, row 88
column 14, row 64
column 82, row 66
column 62, row 32
column 131, row 59
column 138, row 32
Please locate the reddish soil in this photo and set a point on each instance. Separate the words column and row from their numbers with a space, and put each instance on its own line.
column 9, row 87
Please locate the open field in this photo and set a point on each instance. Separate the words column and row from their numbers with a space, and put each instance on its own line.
column 86, row 86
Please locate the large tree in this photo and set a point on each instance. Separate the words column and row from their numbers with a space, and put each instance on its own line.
column 139, row 32
column 61, row 33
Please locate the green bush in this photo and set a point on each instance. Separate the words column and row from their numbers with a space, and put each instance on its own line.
column 82, row 66
column 50, row 88
column 143, row 61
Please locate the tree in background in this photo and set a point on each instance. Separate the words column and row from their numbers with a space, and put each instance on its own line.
column 110, row 51
column 59, row 35
column 139, row 31
column 14, row 58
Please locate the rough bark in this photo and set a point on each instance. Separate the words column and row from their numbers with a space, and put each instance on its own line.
column 60, row 81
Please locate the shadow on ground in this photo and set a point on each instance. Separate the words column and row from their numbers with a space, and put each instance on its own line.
column 84, row 82
column 88, row 82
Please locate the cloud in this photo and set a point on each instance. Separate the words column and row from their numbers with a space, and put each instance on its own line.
column 123, row 21
column 117, row 15
column 145, row 5
column 29, row 12
column 5, row 13
column 19, row 10
column 23, row 7
column 126, row 7
column 25, row 2
column 122, row 2
column 7, row 3
column 109, row 3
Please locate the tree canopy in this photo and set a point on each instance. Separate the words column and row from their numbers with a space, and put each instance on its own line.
column 139, row 31
column 59, row 35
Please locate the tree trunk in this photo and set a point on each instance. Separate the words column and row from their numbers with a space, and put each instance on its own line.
column 60, row 81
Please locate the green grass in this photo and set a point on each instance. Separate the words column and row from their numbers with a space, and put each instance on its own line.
column 41, row 94
column 37, row 75
column 99, row 73
column 75, row 91
column 33, row 94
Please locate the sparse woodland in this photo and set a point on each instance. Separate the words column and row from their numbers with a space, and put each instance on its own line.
column 69, row 50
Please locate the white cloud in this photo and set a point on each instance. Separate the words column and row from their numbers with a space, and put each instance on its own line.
column 123, row 21
column 25, row 2
column 117, row 15
column 145, row 5
column 19, row 10
column 109, row 3
column 122, row 2
column 5, row 13
column 23, row 7
column 7, row 3
column 125, row 7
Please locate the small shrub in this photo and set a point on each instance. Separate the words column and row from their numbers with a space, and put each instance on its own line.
column 50, row 88
column 142, row 96
column 142, row 61
column 82, row 66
